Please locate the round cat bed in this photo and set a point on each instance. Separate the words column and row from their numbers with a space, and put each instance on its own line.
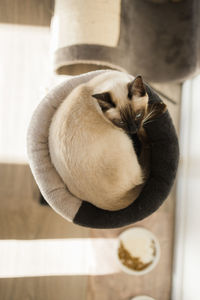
column 164, row 155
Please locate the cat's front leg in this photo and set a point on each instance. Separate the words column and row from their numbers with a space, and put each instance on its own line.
column 155, row 110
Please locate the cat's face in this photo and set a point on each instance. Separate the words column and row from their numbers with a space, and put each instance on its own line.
column 125, row 105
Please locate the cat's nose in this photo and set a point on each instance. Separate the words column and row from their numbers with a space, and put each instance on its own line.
column 133, row 128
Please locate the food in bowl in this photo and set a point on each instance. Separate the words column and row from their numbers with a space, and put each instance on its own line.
column 138, row 250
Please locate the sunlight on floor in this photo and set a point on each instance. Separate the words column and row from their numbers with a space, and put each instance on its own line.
column 22, row 258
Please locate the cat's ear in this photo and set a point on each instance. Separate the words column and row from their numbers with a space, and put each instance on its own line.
column 105, row 101
column 136, row 88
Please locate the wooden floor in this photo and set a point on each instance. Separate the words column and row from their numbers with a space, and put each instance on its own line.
column 24, row 73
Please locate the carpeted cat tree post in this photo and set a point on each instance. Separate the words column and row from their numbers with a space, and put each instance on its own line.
column 78, row 29
column 159, row 39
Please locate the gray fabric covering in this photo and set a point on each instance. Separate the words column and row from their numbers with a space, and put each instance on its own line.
column 161, row 41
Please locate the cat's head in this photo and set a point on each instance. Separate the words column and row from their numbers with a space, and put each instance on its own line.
column 125, row 104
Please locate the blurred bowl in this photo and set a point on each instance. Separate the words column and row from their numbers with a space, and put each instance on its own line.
column 142, row 298
column 138, row 233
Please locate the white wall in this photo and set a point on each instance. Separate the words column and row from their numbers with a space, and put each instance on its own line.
column 186, row 275
column 24, row 70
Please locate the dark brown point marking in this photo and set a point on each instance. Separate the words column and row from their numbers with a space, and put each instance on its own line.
column 130, row 93
column 105, row 100
column 128, row 117
column 155, row 110
column 136, row 87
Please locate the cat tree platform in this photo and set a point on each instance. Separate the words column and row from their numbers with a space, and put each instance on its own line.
column 156, row 38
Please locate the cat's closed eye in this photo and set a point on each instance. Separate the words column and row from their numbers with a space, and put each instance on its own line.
column 105, row 101
column 138, row 115
column 118, row 122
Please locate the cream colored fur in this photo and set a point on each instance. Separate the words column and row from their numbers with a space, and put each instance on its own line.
column 95, row 159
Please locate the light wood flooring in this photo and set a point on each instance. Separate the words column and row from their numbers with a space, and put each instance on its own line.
column 24, row 73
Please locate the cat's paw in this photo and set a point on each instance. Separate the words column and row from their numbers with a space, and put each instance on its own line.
column 156, row 109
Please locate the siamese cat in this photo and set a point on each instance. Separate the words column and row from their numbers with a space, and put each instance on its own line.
column 90, row 144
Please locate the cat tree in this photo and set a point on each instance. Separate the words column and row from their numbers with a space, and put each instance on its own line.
column 156, row 38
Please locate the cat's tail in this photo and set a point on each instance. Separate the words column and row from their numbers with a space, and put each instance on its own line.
column 127, row 199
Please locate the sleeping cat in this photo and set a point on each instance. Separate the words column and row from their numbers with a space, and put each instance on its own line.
column 89, row 139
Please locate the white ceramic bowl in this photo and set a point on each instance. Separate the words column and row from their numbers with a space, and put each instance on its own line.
column 131, row 232
column 142, row 298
